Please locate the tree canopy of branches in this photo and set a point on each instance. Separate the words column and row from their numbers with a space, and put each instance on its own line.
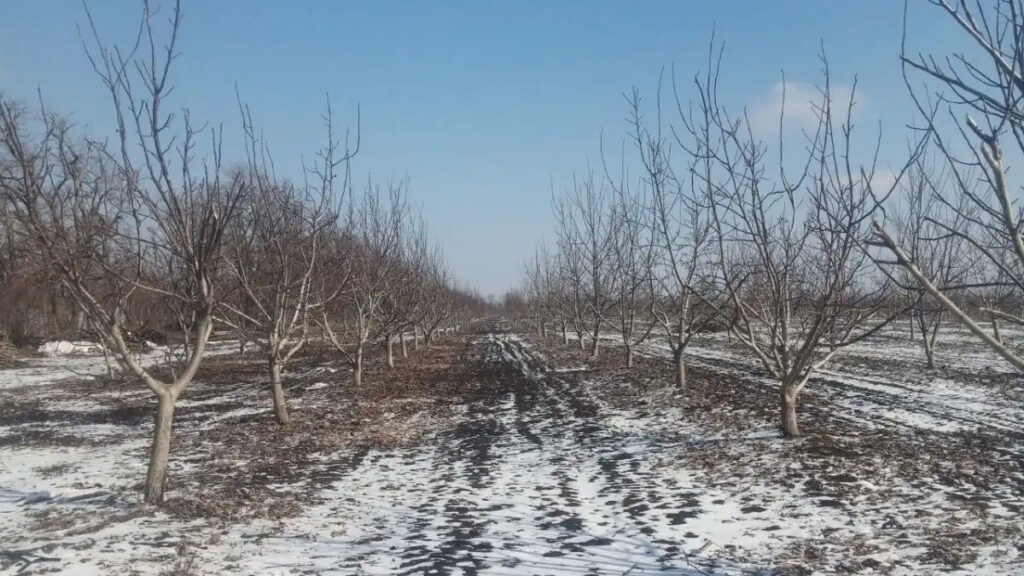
column 136, row 216
column 971, row 105
column 712, row 236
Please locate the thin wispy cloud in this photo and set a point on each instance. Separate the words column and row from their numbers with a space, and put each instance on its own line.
column 801, row 102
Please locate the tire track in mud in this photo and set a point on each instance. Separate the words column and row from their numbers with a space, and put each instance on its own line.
column 537, row 476
column 533, row 480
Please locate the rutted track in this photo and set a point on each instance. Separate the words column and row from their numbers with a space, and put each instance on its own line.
column 530, row 481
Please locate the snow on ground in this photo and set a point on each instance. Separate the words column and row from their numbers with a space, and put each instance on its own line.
column 545, row 477
column 65, row 348
column 882, row 381
column 532, row 484
column 84, row 364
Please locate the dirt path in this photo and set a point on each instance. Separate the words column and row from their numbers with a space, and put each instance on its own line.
column 531, row 480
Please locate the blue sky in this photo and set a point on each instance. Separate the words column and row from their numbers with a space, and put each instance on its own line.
column 484, row 106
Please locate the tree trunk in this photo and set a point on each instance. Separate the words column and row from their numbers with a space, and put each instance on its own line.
column 415, row 337
column 430, row 336
column 391, row 351
column 911, row 327
column 159, row 453
column 929, row 352
column 680, row 362
column 926, row 341
column 565, row 335
column 594, row 347
column 405, row 348
column 357, row 369
column 280, row 405
column 789, row 425
column 995, row 330
column 629, row 356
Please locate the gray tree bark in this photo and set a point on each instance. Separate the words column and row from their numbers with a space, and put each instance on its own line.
column 680, row 365
column 280, row 404
column 156, row 475
column 357, row 369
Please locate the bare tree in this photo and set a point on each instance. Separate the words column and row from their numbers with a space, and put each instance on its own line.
column 571, row 270
column 684, row 294
column 797, row 274
column 374, row 234
column 632, row 258
column 274, row 251
column 405, row 286
column 990, row 86
column 108, row 224
column 439, row 301
column 537, row 290
column 587, row 234
column 922, row 222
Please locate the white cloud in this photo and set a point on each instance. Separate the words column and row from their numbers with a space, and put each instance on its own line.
column 801, row 101
column 883, row 181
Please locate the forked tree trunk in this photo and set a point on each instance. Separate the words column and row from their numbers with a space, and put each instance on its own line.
column 391, row 351
column 156, row 475
column 788, row 395
column 280, row 404
column 430, row 336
